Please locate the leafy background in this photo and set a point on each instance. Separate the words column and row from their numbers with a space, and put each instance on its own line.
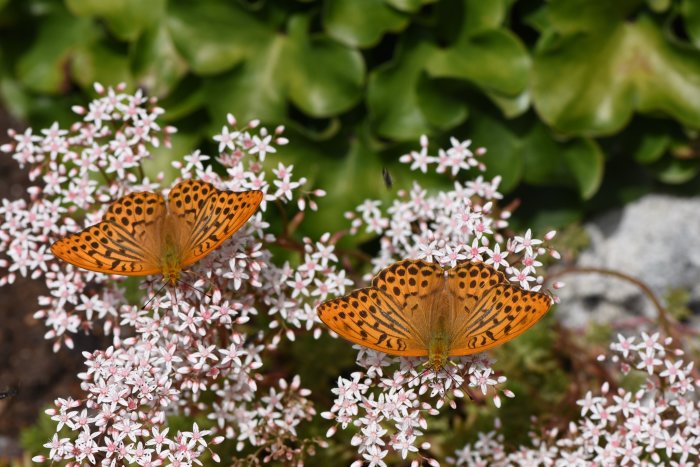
column 582, row 104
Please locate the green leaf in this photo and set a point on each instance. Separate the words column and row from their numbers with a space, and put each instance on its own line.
column 653, row 142
column 253, row 89
column 215, row 36
column 125, row 18
column 324, row 77
column 97, row 62
column 612, row 71
column 511, row 106
column 576, row 164
column 659, row 6
column 156, row 64
column 586, row 162
column 188, row 97
column 403, row 104
column 409, row 6
column 482, row 16
column 690, row 9
column 503, row 156
column 494, row 60
column 675, row 171
column 574, row 16
column 340, row 179
column 439, row 107
column 361, row 23
column 43, row 67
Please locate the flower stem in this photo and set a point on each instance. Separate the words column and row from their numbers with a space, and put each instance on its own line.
column 665, row 320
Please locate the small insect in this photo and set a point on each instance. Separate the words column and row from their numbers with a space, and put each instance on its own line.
column 418, row 309
column 388, row 181
column 11, row 392
column 139, row 235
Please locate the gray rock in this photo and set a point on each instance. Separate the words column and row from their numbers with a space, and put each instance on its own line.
column 656, row 240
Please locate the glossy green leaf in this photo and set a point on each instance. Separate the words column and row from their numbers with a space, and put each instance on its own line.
column 503, row 156
column 675, row 171
column 690, row 9
column 410, row 6
column 511, row 106
column 480, row 16
column 340, row 180
column 659, row 6
column 542, row 156
column 574, row 16
column 391, row 93
column 126, row 19
column 576, row 164
column 612, row 73
column 43, row 67
column 215, row 36
column 439, row 106
column 324, row 77
column 156, row 64
column 585, row 162
column 254, row 88
column 651, row 147
column 403, row 103
column 99, row 63
column 494, row 60
column 361, row 23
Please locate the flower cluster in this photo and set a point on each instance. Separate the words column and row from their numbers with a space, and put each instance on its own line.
column 462, row 224
column 448, row 227
column 657, row 422
column 198, row 338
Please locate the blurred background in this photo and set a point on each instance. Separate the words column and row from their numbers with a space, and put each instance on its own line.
column 586, row 107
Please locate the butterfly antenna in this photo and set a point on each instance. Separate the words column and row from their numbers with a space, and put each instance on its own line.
column 155, row 295
column 195, row 289
column 461, row 386
column 419, row 375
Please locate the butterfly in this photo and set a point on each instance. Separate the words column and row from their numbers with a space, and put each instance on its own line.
column 139, row 235
column 414, row 308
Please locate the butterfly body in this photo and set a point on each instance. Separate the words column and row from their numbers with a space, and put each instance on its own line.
column 418, row 309
column 140, row 235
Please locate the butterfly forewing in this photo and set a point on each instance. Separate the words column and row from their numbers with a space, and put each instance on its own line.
column 503, row 312
column 209, row 215
column 371, row 318
column 121, row 243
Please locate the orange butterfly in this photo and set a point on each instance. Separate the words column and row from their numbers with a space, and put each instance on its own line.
column 416, row 309
column 138, row 236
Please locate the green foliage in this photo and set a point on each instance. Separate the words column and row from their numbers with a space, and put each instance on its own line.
column 677, row 303
column 555, row 90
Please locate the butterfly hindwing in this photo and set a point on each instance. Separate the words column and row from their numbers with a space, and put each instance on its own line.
column 120, row 243
column 469, row 280
column 370, row 317
column 210, row 215
column 503, row 312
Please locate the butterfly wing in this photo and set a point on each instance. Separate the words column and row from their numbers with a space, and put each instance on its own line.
column 502, row 313
column 392, row 315
column 123, row 243
column 208, row 215
column 468, row 281
column 371, row 318
column 416, row 286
